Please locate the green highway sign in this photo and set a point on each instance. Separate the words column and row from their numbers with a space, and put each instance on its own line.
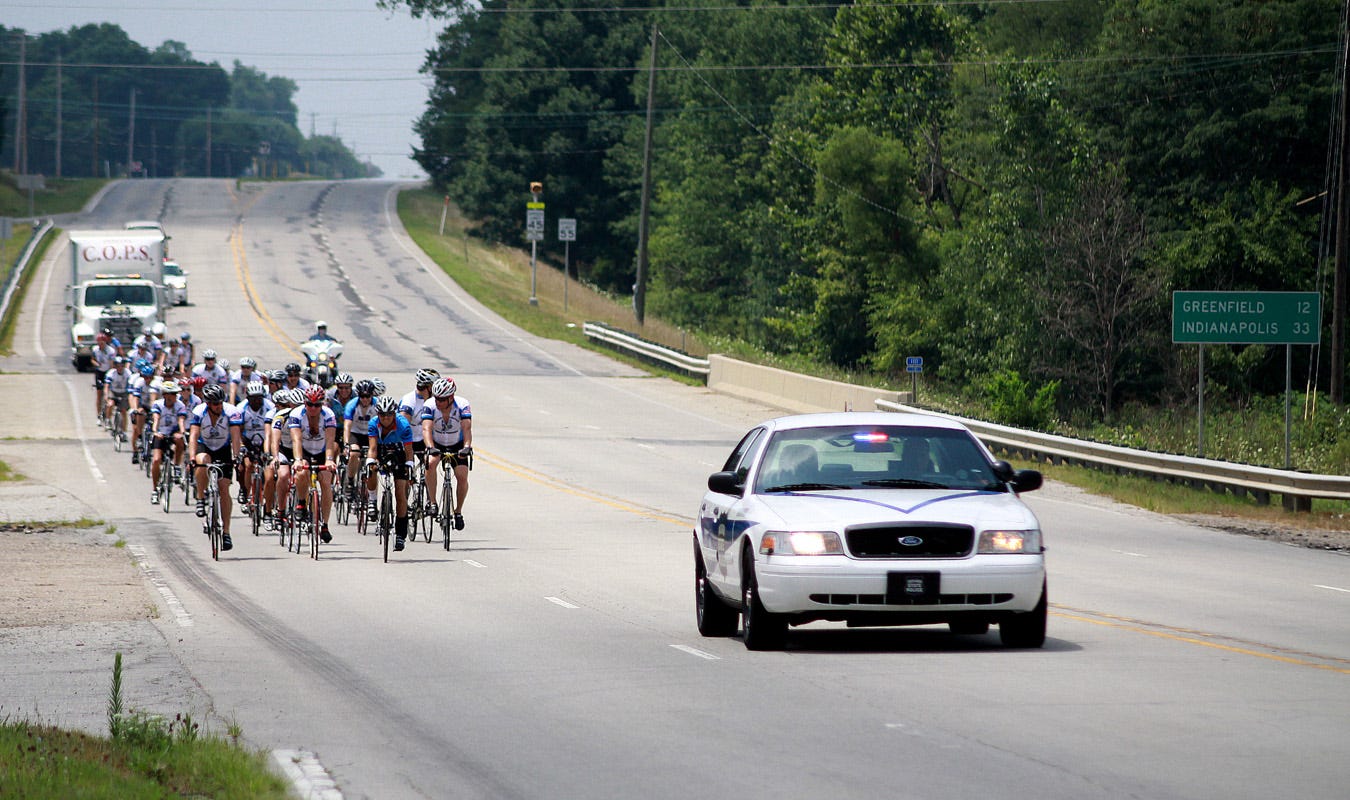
column 1246, row 317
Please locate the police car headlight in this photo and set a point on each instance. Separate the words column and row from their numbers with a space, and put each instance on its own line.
column 996, row 542
column 801, row 543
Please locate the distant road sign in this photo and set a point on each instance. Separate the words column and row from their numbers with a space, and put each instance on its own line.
column 534, row 225
column 567, row 230
column 914, row 364
column 1246, row 317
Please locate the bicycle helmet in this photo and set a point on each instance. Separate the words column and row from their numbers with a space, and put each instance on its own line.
column 443, row 387
column 213, row 394
column 380, row 388
column 425, row 377
column 255, row 389
column 198, row 381
column 365, row 388
column 276, row 376
column 169, row 387
column 208, row 355
column 102, row 338
column 185, row 336
column 386, row 405
column 146, row 369
column 320, row 324
column 247, row 361
column 224, row 363
column 159, row 329
column 343, row 377
column 316, row 395
column 292, row 368
column 119, row 359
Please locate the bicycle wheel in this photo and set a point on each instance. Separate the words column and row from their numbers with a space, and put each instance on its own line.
column 117, row 435
column 213, row 519
column 165, row 483
column 446, row 518
column 386, row 518
column 255, row 499
column 315, row 520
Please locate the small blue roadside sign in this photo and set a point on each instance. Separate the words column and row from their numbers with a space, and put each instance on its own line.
column 914, row 364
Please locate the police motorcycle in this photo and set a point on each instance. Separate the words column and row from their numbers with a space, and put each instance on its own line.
column 321, row 358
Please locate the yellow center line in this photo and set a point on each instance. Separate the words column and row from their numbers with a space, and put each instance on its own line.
column 553, row 483
column 1177, row 635
column 246, row 283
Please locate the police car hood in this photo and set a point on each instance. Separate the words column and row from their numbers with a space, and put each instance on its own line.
column 837, row 509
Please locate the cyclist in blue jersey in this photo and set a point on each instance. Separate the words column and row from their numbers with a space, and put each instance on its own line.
column 390, row 447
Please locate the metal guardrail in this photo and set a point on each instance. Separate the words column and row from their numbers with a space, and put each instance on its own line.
column 646, row 349
column 12, row 281
column 1296, row 489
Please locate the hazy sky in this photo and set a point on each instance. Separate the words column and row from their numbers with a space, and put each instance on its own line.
column 357, row 66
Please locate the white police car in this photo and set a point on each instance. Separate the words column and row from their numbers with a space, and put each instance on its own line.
column 869, row 519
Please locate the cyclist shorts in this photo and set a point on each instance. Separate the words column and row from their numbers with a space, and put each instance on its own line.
column 162, row 442
column 221, row 458
column 287, row 456
column 391, row 461
column 121, row 401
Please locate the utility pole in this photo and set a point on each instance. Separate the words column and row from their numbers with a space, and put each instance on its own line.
column 58, row 116
column 1342, row 230
column 18, row 116
column 208, row 142
column 131, row 130
column 95, row 138
column 640, row 288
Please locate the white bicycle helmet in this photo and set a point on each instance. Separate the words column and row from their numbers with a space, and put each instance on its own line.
column 443, row 387
column 386, row 405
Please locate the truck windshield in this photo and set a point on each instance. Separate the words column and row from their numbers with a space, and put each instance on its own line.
column 134, row 295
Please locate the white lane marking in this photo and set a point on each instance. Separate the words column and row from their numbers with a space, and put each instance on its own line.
column 694, row 651
column 1332, row 588
column 1128, row 553
column 307, row 775
column 474, row 564
column 180, row 614
column 544, row 412
column 79, row 431
column 645, row 446
column 37, row 322
column 560, row 602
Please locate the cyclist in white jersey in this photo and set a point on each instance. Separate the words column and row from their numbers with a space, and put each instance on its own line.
column 118, row 391
column 356, row 416
column 284, row 400
column 139, row 402
column 255, row 419
column 102, row 360
column 411, row 405
column 214, row 439
column 209, row 369
column 168, row 418
column 242, row 377
column 447, row 431
column 313, row 432
column 293, row 380
column 186, row 352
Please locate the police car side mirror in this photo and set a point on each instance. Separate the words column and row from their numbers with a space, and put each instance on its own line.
column 725, row 483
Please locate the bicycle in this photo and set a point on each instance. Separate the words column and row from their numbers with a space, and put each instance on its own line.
column 385, row 525
column 341, row 501
column 166, row 468
column 119, row 435
column 212, row 525
column 256, row 481
column 313, row 517
column 145, row 447
column 445, row 516
column 417, row 495
column 359, row 502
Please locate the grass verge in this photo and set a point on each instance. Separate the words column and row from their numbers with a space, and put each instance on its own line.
column 62, row 196
column 11, row 319
column 7, row 473
column 152, row 759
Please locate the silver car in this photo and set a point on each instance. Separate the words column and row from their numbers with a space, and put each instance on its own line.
column 869, row 519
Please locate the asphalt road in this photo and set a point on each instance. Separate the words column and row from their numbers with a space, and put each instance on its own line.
column 552, row 652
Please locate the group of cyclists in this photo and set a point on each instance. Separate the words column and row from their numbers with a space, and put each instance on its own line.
column 202, row 412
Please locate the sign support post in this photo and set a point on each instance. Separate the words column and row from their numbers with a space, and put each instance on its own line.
column 567, row 233
column 1286, row 318
column 534, row 232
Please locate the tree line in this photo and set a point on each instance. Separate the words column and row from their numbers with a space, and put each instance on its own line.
column 97, row 104
column 1002, row 188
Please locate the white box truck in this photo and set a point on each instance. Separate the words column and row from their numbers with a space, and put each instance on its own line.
column 116, row 282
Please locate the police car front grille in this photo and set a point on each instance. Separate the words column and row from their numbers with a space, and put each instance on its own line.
column 911, row 541
column 880, row 600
